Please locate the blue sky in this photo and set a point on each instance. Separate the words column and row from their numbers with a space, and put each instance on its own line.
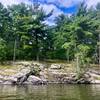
column 59, row 6
column 65, row 7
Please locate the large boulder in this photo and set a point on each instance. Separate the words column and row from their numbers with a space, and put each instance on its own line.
column 22, row 72
column 25, row 70
column 34, row 80
column 55, row 66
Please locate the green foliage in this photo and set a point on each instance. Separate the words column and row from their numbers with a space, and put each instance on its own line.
column 77, row 34
column 2, row 50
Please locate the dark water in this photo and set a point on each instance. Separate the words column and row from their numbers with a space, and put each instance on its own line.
column 50, row 92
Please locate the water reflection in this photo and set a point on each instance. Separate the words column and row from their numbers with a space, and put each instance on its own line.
column 50, row 92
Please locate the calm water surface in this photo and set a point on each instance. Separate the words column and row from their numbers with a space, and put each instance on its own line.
column 50, row 92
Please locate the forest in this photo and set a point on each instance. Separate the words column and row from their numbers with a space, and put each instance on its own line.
column 25, row 36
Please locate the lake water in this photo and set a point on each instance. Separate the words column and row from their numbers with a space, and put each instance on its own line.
column 50, row 92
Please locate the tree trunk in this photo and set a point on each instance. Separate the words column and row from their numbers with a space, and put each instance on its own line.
column 99, row 50
column 68, row 55
column 37, row 48
column 78, row 66
column 14, row 53
column 37, row 56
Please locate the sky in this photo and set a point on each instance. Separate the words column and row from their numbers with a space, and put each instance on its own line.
column 59, row 6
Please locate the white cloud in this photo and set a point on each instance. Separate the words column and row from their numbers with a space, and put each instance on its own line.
column 51, row 5
column 64, row 3
column 50, row 23
column 48, row 8
column 92, row 3
column 10, row 2
column 69, row 3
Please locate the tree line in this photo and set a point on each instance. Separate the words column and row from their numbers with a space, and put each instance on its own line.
column 25, row 36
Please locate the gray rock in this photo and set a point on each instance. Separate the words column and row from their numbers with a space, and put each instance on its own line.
column 95, row 81
column 25, row 70
column 19, row 75
column 7, row 83
column 22, row 72
column 95, row 75
column 34, row 80
column 1, row 81
column 1, row 77
column 55, row 66
column 83, row 81
column 10, row 78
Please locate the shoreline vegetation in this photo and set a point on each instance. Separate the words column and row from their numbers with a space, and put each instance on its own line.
column 74, row 39
column 43, row 73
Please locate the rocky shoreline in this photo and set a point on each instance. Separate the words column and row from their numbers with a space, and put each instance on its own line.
column 37, row 73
